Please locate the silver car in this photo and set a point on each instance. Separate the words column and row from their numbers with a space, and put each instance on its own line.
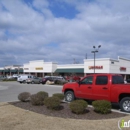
column 34, row 80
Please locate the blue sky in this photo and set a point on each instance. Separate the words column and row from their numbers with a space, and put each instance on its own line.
column 63, row 30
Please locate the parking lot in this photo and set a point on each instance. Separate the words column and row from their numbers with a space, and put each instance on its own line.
column 9, row 90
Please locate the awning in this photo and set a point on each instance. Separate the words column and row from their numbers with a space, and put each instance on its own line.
column 13, row 70
column 6, row 70
column 20, row 70
column 1, row 70
column 75, row 70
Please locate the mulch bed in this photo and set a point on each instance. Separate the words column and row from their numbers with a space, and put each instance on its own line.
column 90, row 114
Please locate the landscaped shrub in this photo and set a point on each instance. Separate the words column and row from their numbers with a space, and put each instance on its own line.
column 24, row 96
column 59, row 95
column 38, row 99
column 52, row 103
column 78, row 106
column 102, row 106
column 35, row 100
column 42, row 95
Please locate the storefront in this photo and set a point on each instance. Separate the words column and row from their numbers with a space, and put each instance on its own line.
column 10, row 70
column 70, row 70
column 40, row 68
column 107, row 65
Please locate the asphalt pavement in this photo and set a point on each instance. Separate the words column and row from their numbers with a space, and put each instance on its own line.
column 9, row 91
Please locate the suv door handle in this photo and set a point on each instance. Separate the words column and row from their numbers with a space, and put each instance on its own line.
column 104, row 88
column 89, row 87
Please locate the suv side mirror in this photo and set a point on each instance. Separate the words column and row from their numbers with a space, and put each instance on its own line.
column 79, row 82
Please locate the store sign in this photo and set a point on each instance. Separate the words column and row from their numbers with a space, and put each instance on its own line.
column 26, row 68
column 96, row 67
column 123, row 68
column 39, row 68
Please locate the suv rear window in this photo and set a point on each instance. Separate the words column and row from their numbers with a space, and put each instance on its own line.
column 117, row 80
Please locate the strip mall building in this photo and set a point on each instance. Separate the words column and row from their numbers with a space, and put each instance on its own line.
column 102, row 65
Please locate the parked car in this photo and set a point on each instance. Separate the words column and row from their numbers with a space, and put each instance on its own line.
column 47, row 78
column 15, row 76
column 23, row 78
column 9, row 77
column 2, row 77
column 128, row 80
column 33, row 80
column 52, row 78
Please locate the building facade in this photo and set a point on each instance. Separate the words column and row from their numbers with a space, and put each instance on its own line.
column 12, row 69
column 39, row 68
column 107, row 65
column 103, row 65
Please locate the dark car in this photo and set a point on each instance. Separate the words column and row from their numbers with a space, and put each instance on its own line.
column 52, row 78
column 128, row 80
column 47, row 78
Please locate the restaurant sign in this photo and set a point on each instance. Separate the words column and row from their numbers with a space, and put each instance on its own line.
column 123, row 68
column 96, row 67
column 39, row 68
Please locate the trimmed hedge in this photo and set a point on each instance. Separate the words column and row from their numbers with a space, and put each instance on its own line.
column 59, row 95
column 52, row 103
column 24, row 96
column 78, row 106
column 102, row 106
column 42, row 94
column 38, row 99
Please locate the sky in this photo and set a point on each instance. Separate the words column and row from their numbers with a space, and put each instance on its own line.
column 63, row 31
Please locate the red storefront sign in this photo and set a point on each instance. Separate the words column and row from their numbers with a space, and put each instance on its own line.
column 123, row 68
column 96, row 67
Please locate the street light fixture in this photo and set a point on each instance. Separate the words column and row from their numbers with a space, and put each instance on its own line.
column 95, row 51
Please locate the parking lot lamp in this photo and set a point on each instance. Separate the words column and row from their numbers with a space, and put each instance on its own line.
column 94, row 52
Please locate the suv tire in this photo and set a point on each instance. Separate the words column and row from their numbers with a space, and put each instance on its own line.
column 125, row 104
column 69, row 96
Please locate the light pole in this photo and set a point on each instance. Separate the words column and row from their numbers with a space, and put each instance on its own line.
column 95, row 51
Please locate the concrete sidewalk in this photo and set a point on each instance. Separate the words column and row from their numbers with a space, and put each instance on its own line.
column 13, row 118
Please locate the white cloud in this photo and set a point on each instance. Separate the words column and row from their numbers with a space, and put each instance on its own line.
column 30, row 31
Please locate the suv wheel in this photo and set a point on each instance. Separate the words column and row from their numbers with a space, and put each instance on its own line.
column 125, row 104
column 69, row 96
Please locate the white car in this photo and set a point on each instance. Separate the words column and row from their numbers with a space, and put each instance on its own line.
column 15, row 75
column 23, row 78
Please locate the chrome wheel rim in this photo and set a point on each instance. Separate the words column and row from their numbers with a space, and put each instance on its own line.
column 126, row 105
column 69, row 97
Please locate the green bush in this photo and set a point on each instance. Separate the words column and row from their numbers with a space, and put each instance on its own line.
column 35, row 100
column 59, row 95
column 78, row 106
column 42, row 95
column 102, row 106
column 38, row 99
column 52, row 103
column 24, row 96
